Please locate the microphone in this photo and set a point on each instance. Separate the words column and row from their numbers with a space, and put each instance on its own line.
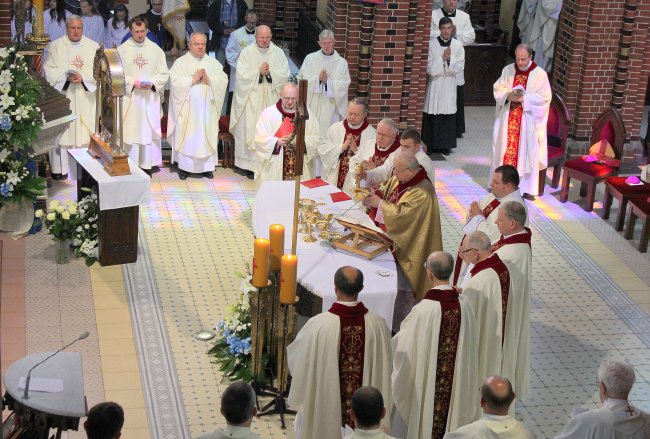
column 82, row 336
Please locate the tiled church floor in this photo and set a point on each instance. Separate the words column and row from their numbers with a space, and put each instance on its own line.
column 591, row 298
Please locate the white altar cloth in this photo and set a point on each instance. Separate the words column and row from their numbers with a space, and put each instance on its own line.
column 317, row 263
column 116, row 192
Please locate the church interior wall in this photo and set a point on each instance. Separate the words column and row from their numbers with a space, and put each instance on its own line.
column 506, row 17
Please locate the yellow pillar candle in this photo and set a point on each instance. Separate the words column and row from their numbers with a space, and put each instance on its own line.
column 261, row 262
column 276, row 234
column 288, row 279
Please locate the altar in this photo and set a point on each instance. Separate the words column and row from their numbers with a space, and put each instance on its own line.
column 317, row 262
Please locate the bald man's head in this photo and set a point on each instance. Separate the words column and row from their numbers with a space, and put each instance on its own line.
column 348, row 282
column 263, row 36
column 496, row 395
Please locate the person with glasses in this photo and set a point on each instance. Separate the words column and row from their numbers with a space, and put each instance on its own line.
column 435, row 359
column 406, row 208
column 275, row 145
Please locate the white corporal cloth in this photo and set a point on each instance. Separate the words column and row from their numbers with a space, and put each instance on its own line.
column 317, row 263
column 116, row 192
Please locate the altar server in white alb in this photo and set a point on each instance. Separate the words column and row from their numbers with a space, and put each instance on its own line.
column 523, row 96
column 262, row 69
column 435, row 355
column 342, row 141
column 333, row 355
column 446, row 60
column 276, row 146
column 94, row 27
column 69, row 68
column 239, row 39
column 463, row 32
column 329, row 78
column 198, row 88
column 145, row 73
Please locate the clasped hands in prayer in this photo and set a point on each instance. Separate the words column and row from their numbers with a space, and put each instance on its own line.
column 200, row 76
column 323, row 76
column 74, row 78
column 446, row 54
column 474, row 209
column 265, row 70
column 350, row 144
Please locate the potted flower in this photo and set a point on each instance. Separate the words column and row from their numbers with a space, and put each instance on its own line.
column 61, row 222
column 85, row 239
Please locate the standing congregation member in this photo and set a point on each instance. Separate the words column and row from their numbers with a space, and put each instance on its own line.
column 54, row 20
column 69, row 68
column 342, row 141
column 197, row 90
column 238, row 407
column 263, row 69
column 446, row 60
column 154, row 23
column 224, row 16
column 333, row 355
column 145, row 73
column 118, row 26
column 239, row 39
column 94, row 27
column 463, row 32
column 434, row 360
column 523, row 97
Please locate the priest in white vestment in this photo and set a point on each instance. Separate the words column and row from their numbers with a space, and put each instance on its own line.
column 523, row 97
column 238, row 407
column 367, row 412
column 482, row 214
column 94, row 27
column 341, row 141
column 372, row 153
column 333, row 355
column 446, row 61
column 497, row 308
column 145, row 74
column 542, row 36
column 275, row 144
column 463, row 32
column 197, row 89
column 410, row 142
column 514, row 248
column 328, row 80
column 435, row 359
column 617, row 418
column 69, row 68
column 497, row 397
column 262, row 69
column 239, row 39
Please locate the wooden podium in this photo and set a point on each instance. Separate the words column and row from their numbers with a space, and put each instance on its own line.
column 362, row 241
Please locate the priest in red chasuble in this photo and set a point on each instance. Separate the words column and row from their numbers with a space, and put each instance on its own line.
column 435, row 359
column 333, row 355
column 275, row 141
column 406, row 207
column 523, row 97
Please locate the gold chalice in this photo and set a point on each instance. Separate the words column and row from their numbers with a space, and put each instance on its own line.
column 323, row 226
column 310, row 220
column 306, row 206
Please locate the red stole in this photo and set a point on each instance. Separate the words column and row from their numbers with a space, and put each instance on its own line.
column 289, row 151
column 352, row 342
column 487, row 210
column 447, row 349
column 519, row 238
column 496, row 264
column 379, row 157
column 397, row 192
column 511, row 156
column 344, row 159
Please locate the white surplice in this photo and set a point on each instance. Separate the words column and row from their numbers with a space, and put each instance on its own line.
column 230, row 431
column 532, row 141
column 483, row 291
column 236, row 43
column 53, row 28
column 415, row 357
column 464, row 32
column 331, row 149
column 194, row 111
column 365, row 151
column 617, row 419
column 269, row 165
column 142, row 133
column 440, row 97
column 519, row 260
column 493, row 427
column 63, row 56
column 93, row 28
column 313, row 360
column 328, row 100
column 376, row 176
column 252, row 95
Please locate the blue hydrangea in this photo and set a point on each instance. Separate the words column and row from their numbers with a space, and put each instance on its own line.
column 5, row 123
column 5, row 189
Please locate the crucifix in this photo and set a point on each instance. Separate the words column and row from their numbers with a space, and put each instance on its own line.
column 300, row 121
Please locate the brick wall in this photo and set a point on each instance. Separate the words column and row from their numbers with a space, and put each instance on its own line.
column 5, row 23
column 599, row 62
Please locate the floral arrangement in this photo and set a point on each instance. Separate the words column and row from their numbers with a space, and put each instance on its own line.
column 20, row 122
column 232, row 352
column 60, row 220
column 85, row 238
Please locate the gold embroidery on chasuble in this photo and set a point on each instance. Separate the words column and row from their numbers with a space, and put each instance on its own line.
column 77, row 62
column 289, row 162
column 350, row 367
column 504, row 279
column 140, row 61
column 344, row 166
column 511, row 156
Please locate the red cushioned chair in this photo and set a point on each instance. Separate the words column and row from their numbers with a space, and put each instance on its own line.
column 557, row 131
column 228, row 142
column 609, row 125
